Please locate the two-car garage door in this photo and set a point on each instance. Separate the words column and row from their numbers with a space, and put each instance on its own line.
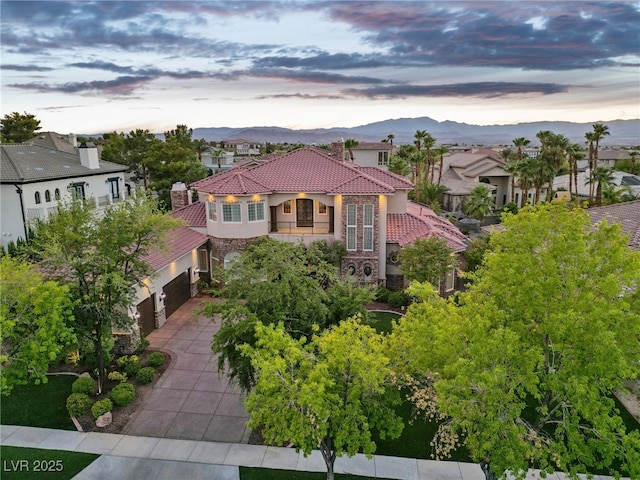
column 177, row 292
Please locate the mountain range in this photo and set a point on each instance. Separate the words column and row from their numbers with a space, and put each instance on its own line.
column 622, row 132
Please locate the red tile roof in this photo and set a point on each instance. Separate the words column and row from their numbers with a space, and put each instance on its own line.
column 193, row 214
column 422, row 222
column 179, row 243
column 308, row 170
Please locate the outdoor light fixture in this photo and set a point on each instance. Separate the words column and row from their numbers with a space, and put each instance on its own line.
column 136, row 315
column 196, row 270
column 162, row 296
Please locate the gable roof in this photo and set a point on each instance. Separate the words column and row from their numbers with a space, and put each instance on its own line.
column 422, row 222
column 306, row 169
column 626, row 214
column 28, row 163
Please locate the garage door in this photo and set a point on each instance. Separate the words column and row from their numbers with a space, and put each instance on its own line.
column 178, row 291
column 147, row 320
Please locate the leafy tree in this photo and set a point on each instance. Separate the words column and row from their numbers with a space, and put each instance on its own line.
column 523, row 364
column 102, row 258
column 277, row 282
column 399, row 165
column 17, row 128
column 350, row 144
column 479, row 202
column 35, row 318
column 427, row 260
column 328, row 393
column 474, row 255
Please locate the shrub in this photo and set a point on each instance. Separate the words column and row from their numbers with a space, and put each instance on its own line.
column 123, row 394
column 155, row 359
column 399, row 299
column 145, row 375
column 142, row 346
column 117, row 377
column 130, row 364
column 382, row 294
column 84, row 385
column 78, row 404
column 101, row 407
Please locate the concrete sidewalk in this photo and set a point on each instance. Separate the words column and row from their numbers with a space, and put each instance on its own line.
column 127, row 457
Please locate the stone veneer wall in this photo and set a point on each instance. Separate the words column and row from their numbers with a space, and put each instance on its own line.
column 220, row 247
column 337, row 150
column 360, row 258
column 161, row 317
column 179, row 198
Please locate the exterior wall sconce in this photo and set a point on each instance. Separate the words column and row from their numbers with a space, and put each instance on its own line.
column 196, row 270
column 136, row 315
column 162, row 296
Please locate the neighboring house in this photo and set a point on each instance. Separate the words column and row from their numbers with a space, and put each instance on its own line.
column 35, row 175
column 462, row 172
column 217, row 160
column 627, row 214
column 561, row 183
column 243, row 147
column 608, row 157
column 367, row 154
column 307, row 195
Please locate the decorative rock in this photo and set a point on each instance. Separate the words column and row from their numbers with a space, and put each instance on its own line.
column 85, row 374
column 104, row 420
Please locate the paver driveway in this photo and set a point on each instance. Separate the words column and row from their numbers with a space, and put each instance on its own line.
column 191, row 401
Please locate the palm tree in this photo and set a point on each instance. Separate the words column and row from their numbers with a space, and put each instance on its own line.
column 510, row 167
column 600, row 177
column 418, row 138
column 390, row 138
column 616, row 194
column 590, row 140
column 200, row 146
column 632, row 155
column 479, row 202
column 429, row 142
column 520, row 143
column 525, row 172
column 350, row 144
column 432, row 193
column 441, row 151
column 600, row 131
column 574, row 153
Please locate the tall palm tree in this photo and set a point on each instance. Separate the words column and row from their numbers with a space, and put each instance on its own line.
column 632, row 155
column 600, row 130
column 600, row 177
column 390, row 138
column 441, row 151
column 590, row 137
column 520, row 143
column 429, row 142
column 510, row 161
column 525, row 173
column 350, row 144
column 574, row 153
column 418, row 138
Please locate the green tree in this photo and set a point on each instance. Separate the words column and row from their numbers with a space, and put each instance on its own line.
column 427, row 260
column 329, row 393
column 600, row 131
column 601, row 177
column 35, row 319
column 479, row 203
column 399, row 165
column 574, row 153
column 102, row 258
column 524, row 363
column 18, row 127
column 277, row 282
column 511, row 167
column 350, row 144
column 441, row 151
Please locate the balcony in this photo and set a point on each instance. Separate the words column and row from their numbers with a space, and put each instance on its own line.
column 291, row 232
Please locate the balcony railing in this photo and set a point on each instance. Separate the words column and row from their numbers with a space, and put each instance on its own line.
column 105, row 200
column 292, row 228
column 33, row 213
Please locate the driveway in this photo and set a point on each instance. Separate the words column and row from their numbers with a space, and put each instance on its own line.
column 191, row 401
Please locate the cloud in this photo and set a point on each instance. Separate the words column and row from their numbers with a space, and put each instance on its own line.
column 302, row 76
column 25, row 68
column 471, row 89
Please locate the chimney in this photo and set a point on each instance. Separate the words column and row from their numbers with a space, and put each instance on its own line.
column 180, row 196
column 73, row 139
column 337, row 150
column 89, row 155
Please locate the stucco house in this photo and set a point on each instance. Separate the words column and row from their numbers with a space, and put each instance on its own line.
column 366, row 154
column 242, row 147
column 35, row 175
column 307, row 195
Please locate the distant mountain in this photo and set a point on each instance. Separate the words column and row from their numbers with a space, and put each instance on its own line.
column 623, row 132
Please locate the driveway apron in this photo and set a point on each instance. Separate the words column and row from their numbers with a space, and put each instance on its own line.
column 191, row 401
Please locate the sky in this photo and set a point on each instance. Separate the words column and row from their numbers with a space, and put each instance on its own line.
column 92, row 67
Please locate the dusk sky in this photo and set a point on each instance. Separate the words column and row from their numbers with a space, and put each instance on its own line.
column 95, row 67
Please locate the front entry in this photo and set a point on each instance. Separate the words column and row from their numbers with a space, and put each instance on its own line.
column 304, row 212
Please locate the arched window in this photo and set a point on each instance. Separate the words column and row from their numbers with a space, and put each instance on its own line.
column 47, row 196
column 37, row 197
column 56, row 194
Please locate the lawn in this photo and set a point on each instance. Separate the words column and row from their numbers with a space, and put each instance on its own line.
column 43, row 405
column 381, row 321
column 37, row 464
column 251, row 473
